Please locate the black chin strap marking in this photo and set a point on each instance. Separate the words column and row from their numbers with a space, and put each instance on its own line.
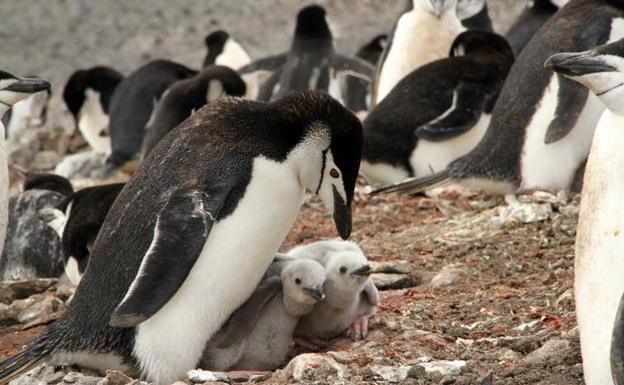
column 322, row 170
column 610, row 89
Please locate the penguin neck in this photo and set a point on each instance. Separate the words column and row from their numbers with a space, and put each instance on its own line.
column 338, row 296
column 614, row 99
column 294, row 308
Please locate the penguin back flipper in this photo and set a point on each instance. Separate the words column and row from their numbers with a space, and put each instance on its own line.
column 270, row 63
column 353, row 66
column 571, row 99
column 25, row 360
column 181, row 230
column 414, row 185
column 617, row 346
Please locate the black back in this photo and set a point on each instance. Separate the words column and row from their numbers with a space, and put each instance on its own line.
column 214, row 44
column 46, row 181
column 133, row 102
column 357, row 89
column 186, row 96
column 579, row 26
column 529, row 22
column 101, row 79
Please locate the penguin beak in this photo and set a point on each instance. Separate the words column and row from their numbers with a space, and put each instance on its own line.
column 317, row 294
column 577, row 64
column 29, row 85
column 617, row 345
column 363, row 271
column 342, row 215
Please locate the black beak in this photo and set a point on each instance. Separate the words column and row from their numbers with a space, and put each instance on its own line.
column 317, row 294
column 29, row 85
column 342, row 215
column 617, row 346
column 363, row 271
column 577, row 64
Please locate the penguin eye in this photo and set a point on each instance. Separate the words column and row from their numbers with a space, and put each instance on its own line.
column 297, row 281
column 334, row 173
column 343, row 270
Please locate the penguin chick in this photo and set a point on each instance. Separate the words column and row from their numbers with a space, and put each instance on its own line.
column 258, row 335
column 351, row 295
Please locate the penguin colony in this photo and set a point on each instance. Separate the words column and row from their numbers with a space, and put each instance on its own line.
column 222, row 157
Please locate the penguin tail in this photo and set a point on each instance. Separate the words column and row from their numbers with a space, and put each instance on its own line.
column 28, row 358
column 428, row 182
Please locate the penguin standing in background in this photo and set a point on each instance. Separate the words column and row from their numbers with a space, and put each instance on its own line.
column 87, row 95
column 195, row 229
column 474, row 15
column 188, row 95
column 311, row 63
column 134, row 103
column 12, row 90
column 423, row 33
column 530, row 21
column 543, row 123
column 357, row 94
column 224, row 51
column 437, row 113
column 599, row 267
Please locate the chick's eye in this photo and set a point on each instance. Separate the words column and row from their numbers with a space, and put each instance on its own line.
column 343, row 270
column 297, row 281
column 334, row 173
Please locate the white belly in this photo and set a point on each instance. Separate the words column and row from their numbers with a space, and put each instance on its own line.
column 237, row 253
column 382, row 173
column 419, row 38
column 233, row 55
column 93, row 121
column 599, row 264
column 429, row 157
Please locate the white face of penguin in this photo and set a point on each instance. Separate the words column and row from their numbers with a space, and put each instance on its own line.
column 436, row 7
column 13, row 89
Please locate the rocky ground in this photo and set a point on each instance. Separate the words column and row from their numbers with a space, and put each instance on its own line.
column 476, row 290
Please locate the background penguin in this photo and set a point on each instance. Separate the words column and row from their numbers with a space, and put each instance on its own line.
column 259, row 333
column 599, row 267
column 311, row 63
column 474, row 15
column 357, row 93
column 234, row 167
column 350, row 295
column 87, row 95
column 423, row 33
column 134, row 102
column 224, row 51
column 188, row 95
column 542, row 124
column 12, row 90
column 529, row 22
column 27, row 113
column 438, row 112
column 32, row 249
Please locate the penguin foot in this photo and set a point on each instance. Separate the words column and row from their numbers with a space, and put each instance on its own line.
column 359, row 329
column 314, row 344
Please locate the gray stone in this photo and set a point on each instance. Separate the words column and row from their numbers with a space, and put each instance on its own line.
column 114, row 377
column 395, row 281
column 311, row 367
column 12, row 290
column 391, row 374
column 486, row 379
column 41, row 310
column 449, row 275
column 45, row 161
column 553, row 351
column 200, row 376
column 445, row 368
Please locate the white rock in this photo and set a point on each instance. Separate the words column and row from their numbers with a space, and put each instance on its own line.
column 445, row 368
column 309, row 366
column 391, row 373
column 449, row 275
column 200, row 376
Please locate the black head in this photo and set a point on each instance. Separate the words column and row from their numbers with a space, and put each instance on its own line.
column 46, row 181
column 230, row 81
column 311, row 23
column 101, row 79
column 471, row 41
column 214, row 44
column 13, row 89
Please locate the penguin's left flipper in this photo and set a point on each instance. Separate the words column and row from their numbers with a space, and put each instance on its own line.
column 182, row 227
column 352, row 66
column 469, row 102
column 268, row 64
column 267, row 89
column 571, row 98
column 242, row 321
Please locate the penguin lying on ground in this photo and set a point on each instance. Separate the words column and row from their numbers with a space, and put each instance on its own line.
column 438, row 112
column 12, row 90
column 259, row 333
column 134, row 103
column 311, row 63
column 188, row 95
column 599, row 267
column 195, row 229
column 32, row 249
column 87, row 95
column 530, row 21
column 357, row 91
column 350, row 295
column 542, row 124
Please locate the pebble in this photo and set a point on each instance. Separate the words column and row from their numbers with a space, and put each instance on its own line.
column 200, row 376
column 12, row 290
column 554, row 350
column 391, row 374
column 312, row 367
column 449, row 275
column 445, row 368
column 114, row 377
column 486, row 379
column 395, row 281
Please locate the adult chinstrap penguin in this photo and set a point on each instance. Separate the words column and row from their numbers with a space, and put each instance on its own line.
column 188, row 95
column 543, row 123
column 225, row 51
column 599, row 268
column 214, row 200
column 474, row 15
column 437, row 113
column 529, row 22
column 87, row 95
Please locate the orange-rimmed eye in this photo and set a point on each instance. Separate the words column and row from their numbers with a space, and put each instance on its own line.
column 334, row 173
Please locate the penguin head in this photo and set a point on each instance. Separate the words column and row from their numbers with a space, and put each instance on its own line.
column 438, row 8
column 100, row 79
column 348, row 270
column 331, row 149
column 14, row 89
column 469, row 8
column 475, row 40
column 559, row 3
column 46, row 181
column 600, row 69
column 215, row 43
column 220, row 81
column 302, row 280
column 311, row 23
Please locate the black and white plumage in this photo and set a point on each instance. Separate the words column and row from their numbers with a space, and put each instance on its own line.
column 259, row 333
column 87, row 95
column 188, row 95
column 357, row 93
column 27, row 113
column 12, row 90
column 437, row 113
column 225, row 51
column 598, row 266
column 215, row 200
column 529, row 22
column 542, row 124
column 474, row 15
column 311, row 63
column 134, row 102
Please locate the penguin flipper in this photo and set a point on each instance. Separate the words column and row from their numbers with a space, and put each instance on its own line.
column 242, row 321
column 415, row 185
column 571, row 99
column 469, row 102
column 269, row 64
column 617, row 346
column 353, row 66
column 182, row 227
column 267, row 88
